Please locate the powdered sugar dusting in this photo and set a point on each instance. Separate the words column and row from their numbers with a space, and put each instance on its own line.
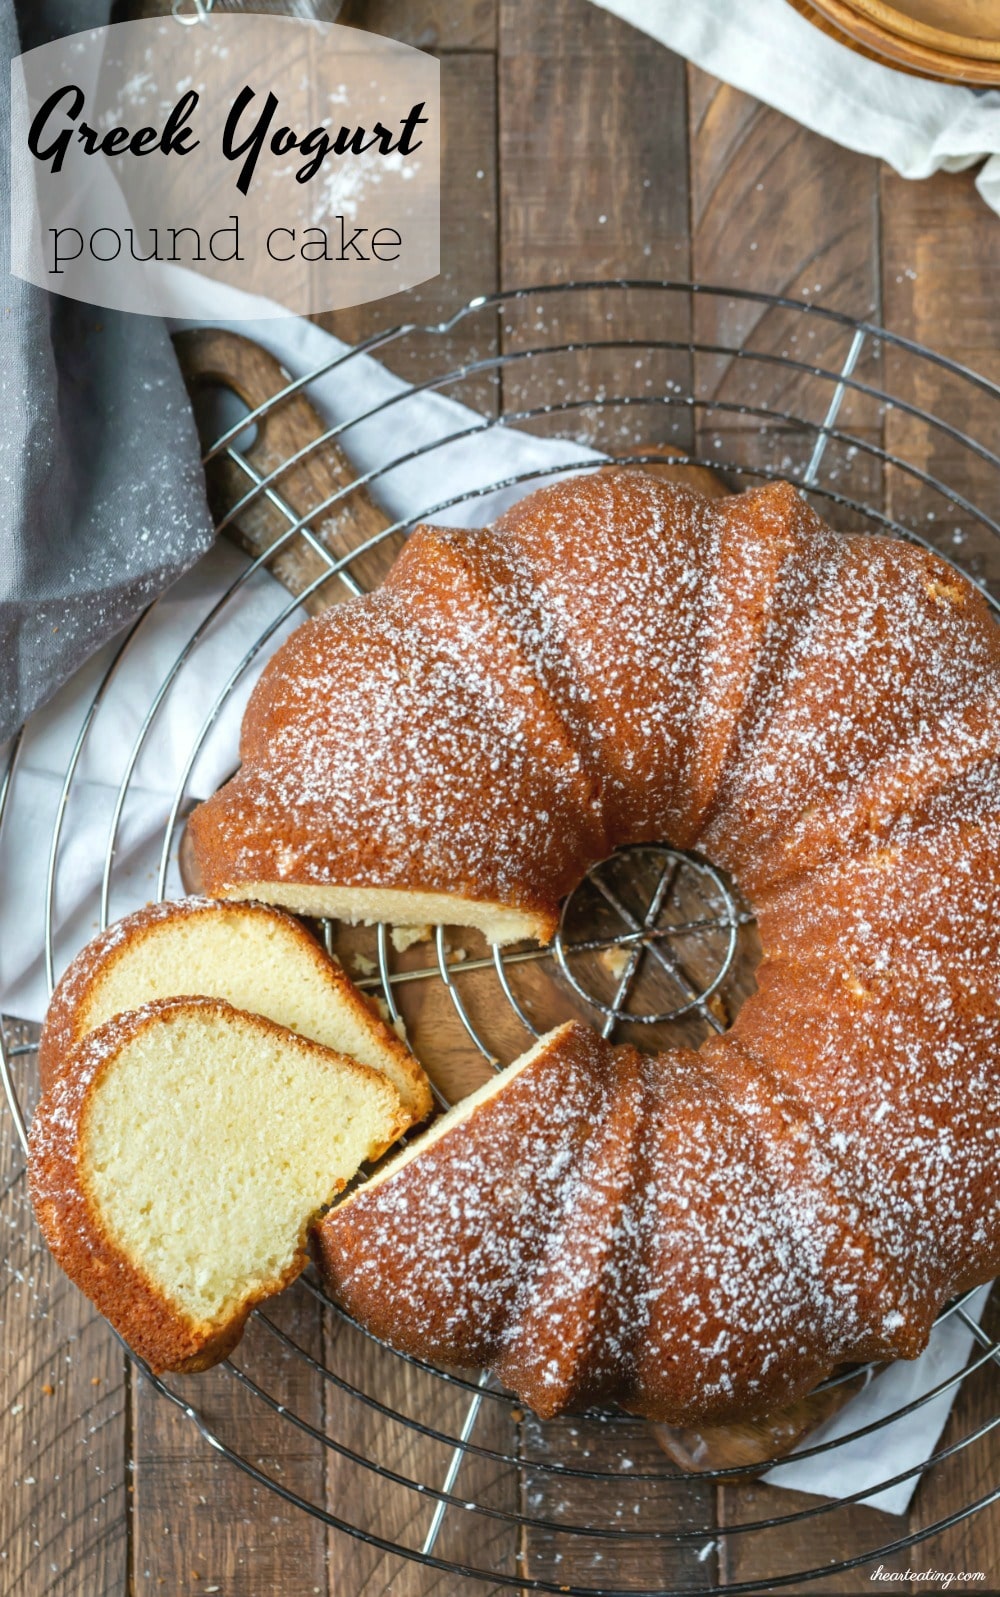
column 816, row 1183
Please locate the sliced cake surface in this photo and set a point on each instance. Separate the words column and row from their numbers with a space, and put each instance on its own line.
column 256, row 958
column 177, row 1163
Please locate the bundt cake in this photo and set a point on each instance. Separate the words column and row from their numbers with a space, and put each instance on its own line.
column 177, row 1161
column 256, row 958
column 619, row 660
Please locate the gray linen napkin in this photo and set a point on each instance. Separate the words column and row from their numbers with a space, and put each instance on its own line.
column 102, row 499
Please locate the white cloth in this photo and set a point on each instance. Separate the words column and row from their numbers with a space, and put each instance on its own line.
column 351, row 389
column 767, row 49
column 865, row 1462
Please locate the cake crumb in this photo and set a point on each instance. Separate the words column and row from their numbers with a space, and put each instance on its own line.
column 614, row 961
column 944, row 592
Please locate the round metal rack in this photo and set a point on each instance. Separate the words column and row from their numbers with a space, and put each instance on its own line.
column 650, row 946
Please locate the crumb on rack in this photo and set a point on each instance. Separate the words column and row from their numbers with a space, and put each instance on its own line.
column 614, row 961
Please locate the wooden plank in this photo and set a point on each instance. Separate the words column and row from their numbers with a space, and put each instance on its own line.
column 616, row 202
column 809, row 206
column 593, row 185
column 826, row 1538
column 199, row 1521
column 468, row 244
column 973, row 1544
column 641, row 1510
column 64, row 1512
column 942, row 288
column 429, row 24
column 778, row 209
column 400, row 1513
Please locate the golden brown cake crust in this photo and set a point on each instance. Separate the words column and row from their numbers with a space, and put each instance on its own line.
column 598, row 668
column 66, row 1019
column 72, row 1226
column 60, row 1029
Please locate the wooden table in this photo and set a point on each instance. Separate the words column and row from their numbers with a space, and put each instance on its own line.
column 573, row 147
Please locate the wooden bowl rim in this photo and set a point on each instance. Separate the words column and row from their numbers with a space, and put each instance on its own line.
column 935, row 63
column 964, row 46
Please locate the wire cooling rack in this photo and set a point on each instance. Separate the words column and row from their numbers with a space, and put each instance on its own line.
column 651, row 946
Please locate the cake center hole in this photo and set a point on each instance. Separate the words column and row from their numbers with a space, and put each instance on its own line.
column 654, row 936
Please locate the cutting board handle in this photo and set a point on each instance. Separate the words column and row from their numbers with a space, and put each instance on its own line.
column 258, row 517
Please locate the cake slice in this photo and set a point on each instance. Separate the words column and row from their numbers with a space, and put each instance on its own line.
column 257, row 959
column 486, row 1241
column 177, row 1163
